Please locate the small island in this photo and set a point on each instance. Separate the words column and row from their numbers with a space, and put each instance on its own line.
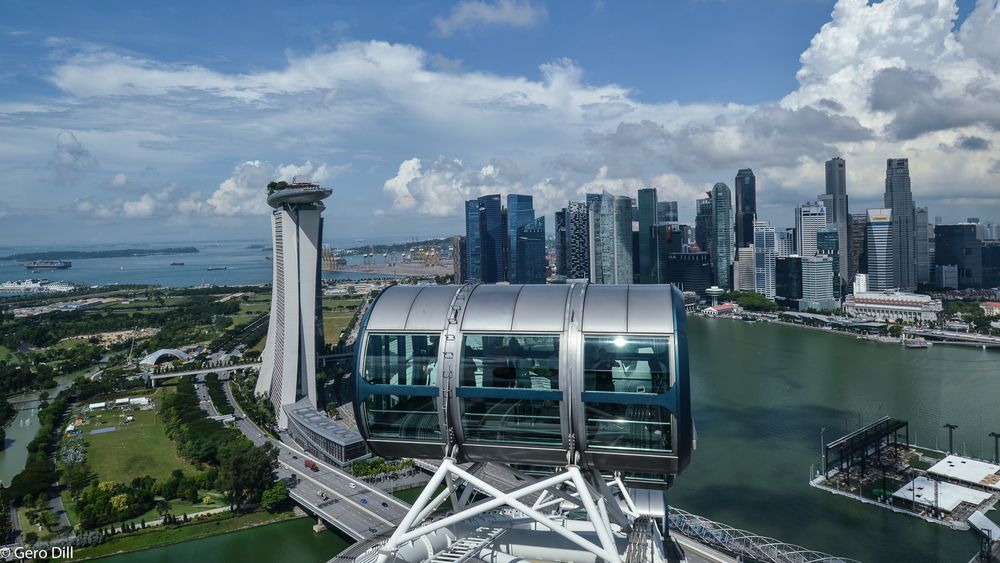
column 84, row 254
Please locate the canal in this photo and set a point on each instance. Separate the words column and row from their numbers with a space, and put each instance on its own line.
column 761, row 394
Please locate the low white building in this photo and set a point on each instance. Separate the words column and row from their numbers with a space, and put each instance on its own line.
column 141, row 401
column 94, row 406
column 892, row 306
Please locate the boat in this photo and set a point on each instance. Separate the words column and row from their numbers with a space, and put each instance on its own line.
column 213, row 268
column 177, row 263
column 49, row 265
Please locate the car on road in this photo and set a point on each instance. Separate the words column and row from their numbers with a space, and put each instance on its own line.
column 372, row 529
column 385, row 504
column 363, row 500
column 295, row 457
column 352, row 485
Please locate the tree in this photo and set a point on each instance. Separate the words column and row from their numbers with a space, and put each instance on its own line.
column 274, row 496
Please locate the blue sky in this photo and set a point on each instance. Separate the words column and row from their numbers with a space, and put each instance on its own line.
column 163, row 121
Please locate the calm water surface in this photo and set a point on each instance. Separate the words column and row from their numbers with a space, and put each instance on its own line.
column 761, row 394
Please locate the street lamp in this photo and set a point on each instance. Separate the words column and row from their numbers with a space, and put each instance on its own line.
column 951, row 429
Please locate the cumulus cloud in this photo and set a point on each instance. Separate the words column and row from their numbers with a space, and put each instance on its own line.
column 145, row 206
column 70, row 159
column 468, row 15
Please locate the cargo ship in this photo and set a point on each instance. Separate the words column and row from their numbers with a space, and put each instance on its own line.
column 49, row 265
column 177, row 263
column 213, row 268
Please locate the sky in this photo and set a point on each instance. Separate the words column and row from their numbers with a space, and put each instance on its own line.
column 123, row 122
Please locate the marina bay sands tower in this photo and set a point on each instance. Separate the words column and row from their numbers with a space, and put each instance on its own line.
column 288, row 365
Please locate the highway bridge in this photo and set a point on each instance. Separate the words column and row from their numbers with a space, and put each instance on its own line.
column 952, row 337
column 154, row 377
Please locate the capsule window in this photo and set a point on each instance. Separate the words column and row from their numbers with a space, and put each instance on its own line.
column 511, row 421
column 402, row 359
column 626, row 364
column 402, row 416
column 618, row 426
column 510, row 361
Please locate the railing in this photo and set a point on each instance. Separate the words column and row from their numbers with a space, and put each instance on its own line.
column 743, row 543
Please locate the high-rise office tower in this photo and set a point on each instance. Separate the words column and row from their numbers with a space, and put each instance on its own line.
column 817, row 289
column 879, row 250
column 958, row 245
column 809, row 218
column 921, row 248
column 492, row 238
column 764, row 255
column 530, row 258
column 743, row 272
column 473, row 247
column 295, row 328
column 690, row 271
column 788, row 277
column 784, row 242
column 666, row 212
column 899, row 198
column 577, row 240
column 560, row 234
column 722, row 235
column 458, row 255
column 856, row 261
column 703, row 223
column 611, row 239
column 827, row 244
column 838, row 212
column 668, row 238
column 520, row 212
column 746, row 206
column 647, row 218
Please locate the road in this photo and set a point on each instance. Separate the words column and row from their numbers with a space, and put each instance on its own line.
column 350, row 505
column 202, row 371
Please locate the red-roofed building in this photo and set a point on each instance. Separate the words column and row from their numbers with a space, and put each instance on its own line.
column 990, row 308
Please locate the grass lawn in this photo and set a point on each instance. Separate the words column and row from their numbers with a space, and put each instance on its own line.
column 135, row 449
column 410, row 495
column 334, row 323
column 156, row 537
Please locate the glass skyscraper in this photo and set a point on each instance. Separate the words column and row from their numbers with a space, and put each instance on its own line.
column 899, row 198
column 763, row 259
column 530, row 258
column 520, row 212
column 473, row 248
column 722, row 235
column 838, row 213
column 577, row 240
column 647, row 218
column 611, row 239
column 746, row 206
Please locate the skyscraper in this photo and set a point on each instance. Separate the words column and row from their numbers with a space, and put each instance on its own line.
column 879, row 250
column 295, row 328
column 722, row 235
column 647, row 218
column 788, row 277
column 690, row 271
column 669, row 238
column 666, row 212
column 746, row 206
column 764, row 256
column 838, row 214
column 492, row 238
column 817, row 289
column 958, row 245
column 809, row 217
column 460, row 270
column 577, row 240
column 921, row 245
column 530, row 258
column 611, row 239
column 784, row 242
column 899, row 198
column 560, row 234
column 473, row 247
column 520, row 212
column 703, row 223
column 857, row 263
column 827, row 244
column 743, row 269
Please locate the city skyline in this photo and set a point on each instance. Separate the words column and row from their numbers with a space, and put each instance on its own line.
column 99, row 120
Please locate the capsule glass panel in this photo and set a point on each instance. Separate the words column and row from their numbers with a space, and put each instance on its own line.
column 402, row 359
column 397, row 366
column 402, row 416
column 509, row 389
column 618, row 426
column 626, row 364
